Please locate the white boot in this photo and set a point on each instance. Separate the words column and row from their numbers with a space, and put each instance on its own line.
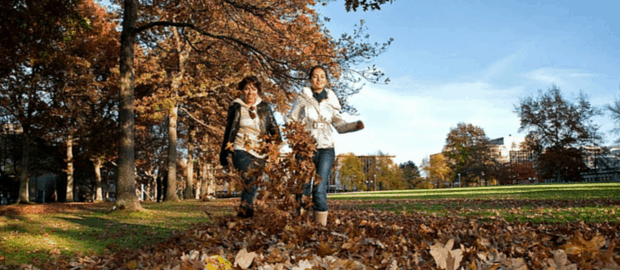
column 320, row 217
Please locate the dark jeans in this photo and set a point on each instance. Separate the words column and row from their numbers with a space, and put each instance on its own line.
column 243, row 161
column 323, row 160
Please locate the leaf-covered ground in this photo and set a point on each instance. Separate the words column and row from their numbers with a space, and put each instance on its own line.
column 362, row 236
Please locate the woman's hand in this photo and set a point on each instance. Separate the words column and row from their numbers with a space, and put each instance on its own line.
column 359, row 125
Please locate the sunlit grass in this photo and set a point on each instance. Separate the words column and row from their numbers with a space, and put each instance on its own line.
column 553, row 203
column 36, row 238
column 546, row 191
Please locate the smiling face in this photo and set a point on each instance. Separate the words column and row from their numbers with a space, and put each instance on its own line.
column 318, row 80
column 250, row 94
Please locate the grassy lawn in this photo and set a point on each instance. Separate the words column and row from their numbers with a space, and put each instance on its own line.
column 95, row 230
column 546, row 191
column 552, row 203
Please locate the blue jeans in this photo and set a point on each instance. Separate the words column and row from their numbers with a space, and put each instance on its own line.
column 323, row 160
column 243, row 161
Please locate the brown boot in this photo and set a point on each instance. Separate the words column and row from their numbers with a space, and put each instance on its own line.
column 320, row 217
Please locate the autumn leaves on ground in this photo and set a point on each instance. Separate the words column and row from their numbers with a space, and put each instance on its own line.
column 478, row 232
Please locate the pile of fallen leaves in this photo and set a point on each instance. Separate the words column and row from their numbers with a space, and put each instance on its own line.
column 358, row 238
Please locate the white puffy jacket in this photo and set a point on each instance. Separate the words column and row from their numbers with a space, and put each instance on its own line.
column 319, row 118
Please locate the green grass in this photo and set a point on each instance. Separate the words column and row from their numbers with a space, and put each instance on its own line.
column 39, row 237
column 552, row 203
column 546, row 191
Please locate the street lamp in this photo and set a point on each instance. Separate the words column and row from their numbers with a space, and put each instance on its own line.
column 459, row 179
column 375, row 186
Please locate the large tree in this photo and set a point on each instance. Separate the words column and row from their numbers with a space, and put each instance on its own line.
column 411, row 174
column 468, row 151
column 351, row 171
column 389, row 175
column 558, row 132
column 437, row 170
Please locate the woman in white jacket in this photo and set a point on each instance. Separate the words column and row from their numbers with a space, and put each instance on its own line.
column 318, row 109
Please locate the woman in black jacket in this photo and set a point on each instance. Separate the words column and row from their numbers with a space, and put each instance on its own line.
column 248, row 118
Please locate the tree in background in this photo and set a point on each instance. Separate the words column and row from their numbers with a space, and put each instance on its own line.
column 411, row 174
column 351, row 172
column 468, row 152
column 558, row 131
column 437, row 170
column 389, row 175
column 614, row 110
column 84, row 86
column 29, row 34
column 426, row 182
column 516, row 173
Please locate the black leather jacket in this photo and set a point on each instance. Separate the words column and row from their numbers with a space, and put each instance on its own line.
column 268, row 125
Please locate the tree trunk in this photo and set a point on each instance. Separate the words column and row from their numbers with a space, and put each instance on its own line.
column 189, row 184
column 69, row 161
column 24, row 196
column 204, row 186
column 98, row 192
column 210, row 180
column 199, row 182
column 126, row 182
column 171, row 190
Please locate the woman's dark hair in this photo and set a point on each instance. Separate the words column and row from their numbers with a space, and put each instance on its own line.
column 251, row 80
column 312, row 71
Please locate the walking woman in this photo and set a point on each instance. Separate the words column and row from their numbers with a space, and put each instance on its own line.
column 248, row 118
column 318, row 109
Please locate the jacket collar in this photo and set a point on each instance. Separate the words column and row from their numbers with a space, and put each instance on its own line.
column 331, row 99
column 240, row 101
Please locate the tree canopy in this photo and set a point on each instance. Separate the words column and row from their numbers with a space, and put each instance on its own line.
column 351, row 172
column 411, row 174
column 558, row 131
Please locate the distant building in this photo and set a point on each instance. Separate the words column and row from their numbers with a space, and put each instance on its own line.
column 510, row 149
column 603, row 164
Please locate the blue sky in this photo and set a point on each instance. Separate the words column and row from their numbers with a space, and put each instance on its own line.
column 470, row 61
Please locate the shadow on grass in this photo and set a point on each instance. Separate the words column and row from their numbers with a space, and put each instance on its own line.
column 97, row 234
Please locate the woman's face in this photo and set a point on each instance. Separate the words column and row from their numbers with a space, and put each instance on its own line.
column 318, row 80
column 250, row 94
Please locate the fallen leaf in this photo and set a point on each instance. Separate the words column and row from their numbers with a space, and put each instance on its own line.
column 445, row 257
column 244, row 259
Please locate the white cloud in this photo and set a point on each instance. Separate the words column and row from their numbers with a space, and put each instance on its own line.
column 502, row 65
column 561, row 77
column 546, row 76
column 413, row 124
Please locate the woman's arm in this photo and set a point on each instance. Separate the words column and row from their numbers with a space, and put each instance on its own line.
column 343, row 126
column 230, row 119
column 272, row 126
